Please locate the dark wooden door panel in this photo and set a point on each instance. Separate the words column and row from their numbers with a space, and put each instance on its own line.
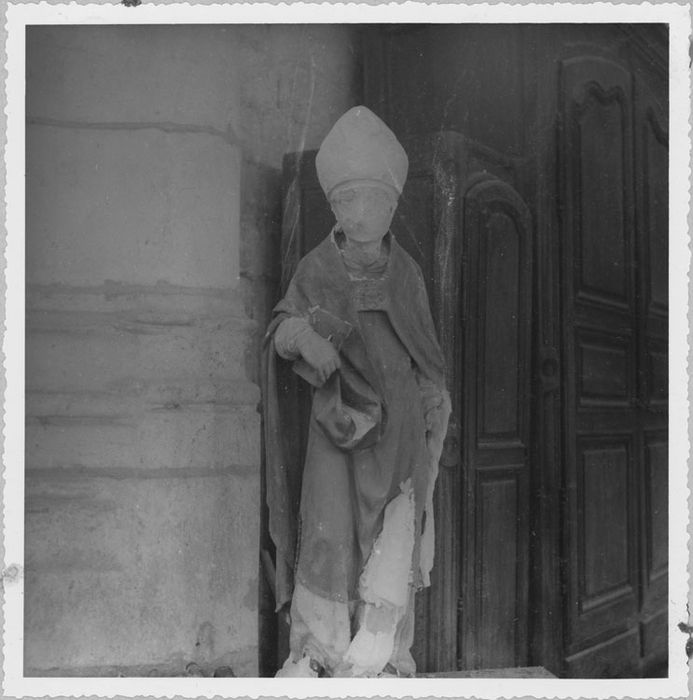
column 654, row 635
column 498, row 315
column 617, row 657
column 654, row 167
column 656, row 504
column 655, row 546
column 655, row 374
column 603, row 562
column 496, row 375
column 597, row 118
column 600, row 355
column 498, row 232
column 499, row 631
column 606, row 569
column 605, row 369
column 600, row 142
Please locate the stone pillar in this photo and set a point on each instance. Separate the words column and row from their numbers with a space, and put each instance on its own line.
column 143, row 436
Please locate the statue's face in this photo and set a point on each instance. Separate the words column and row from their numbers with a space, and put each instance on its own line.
column 364, row 211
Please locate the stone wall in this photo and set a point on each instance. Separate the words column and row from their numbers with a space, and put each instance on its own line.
column 153, row 208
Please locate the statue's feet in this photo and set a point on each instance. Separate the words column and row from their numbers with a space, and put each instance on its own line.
column 391, row 672
column 345, row 670
column 318, row 668
column 305, row 667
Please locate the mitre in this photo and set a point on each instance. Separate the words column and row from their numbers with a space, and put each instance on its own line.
column 360, row 146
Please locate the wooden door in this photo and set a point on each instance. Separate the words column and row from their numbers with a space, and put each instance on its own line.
column 471, row 233
column 614, row 367
column 495, row 377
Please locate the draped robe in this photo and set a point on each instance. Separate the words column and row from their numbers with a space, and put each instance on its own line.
column 323, row 535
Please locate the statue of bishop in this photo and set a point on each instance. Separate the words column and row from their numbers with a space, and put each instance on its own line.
column 355, row 323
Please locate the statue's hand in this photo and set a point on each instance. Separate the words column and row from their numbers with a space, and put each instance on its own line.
column 319, row 354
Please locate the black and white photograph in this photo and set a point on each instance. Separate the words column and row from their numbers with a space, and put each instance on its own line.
column 345, row 353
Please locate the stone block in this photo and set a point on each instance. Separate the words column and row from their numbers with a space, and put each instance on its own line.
column 97, row 351
column 133, row 571
column 206, row 436
column 158, row 73
column 137, row 206
column 138, row 301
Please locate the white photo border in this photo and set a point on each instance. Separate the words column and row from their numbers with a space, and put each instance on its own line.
column 18, row 17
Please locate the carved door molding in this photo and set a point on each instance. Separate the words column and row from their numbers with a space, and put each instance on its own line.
column 495, row 374
column 652, row 163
